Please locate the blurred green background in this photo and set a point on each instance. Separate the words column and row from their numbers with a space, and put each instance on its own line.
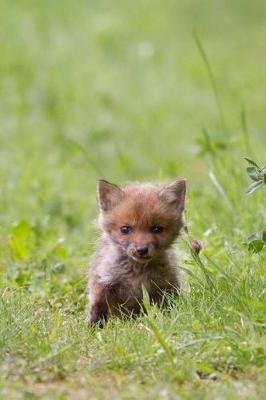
column 119, row 90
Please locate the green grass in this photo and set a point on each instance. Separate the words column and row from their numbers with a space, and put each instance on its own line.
column 130, row 91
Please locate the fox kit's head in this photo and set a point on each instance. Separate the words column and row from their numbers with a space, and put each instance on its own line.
column 142, row 219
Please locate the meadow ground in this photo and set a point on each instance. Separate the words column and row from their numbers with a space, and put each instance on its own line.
column 120, row 90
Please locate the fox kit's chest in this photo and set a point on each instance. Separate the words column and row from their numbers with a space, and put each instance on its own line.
column 152, row 277
column 136, row 280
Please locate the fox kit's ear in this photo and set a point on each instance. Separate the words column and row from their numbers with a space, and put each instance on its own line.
column 108, row 195
column 175, row 194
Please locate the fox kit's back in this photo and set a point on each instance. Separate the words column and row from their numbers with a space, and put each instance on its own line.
column 139, row 224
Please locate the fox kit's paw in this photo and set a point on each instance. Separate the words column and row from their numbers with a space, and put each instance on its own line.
column 97, row 316
column 96, row 320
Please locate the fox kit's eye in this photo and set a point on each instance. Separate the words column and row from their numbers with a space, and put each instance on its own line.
column 126, row 229
column 157, row 228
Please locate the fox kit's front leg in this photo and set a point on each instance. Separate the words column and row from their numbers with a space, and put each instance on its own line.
column 98, row 307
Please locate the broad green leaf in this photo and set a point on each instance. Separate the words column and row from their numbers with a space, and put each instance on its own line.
column 18, row 248
column 21, row 240
column 254, row 236
column 256, row 241
column 59, row 268
column 253, row 174
column 254, row 186
column 252, row 162
column 60, row 251
column 22, row 229
column 256, row 245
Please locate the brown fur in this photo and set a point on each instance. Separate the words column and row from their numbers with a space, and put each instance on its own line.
column 119, row 272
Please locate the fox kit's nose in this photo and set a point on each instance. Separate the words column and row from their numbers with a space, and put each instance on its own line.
column 142, row 250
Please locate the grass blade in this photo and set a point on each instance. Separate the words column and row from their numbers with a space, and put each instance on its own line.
column 212, row 79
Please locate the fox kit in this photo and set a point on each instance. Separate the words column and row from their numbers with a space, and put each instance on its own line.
column 139, row 224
